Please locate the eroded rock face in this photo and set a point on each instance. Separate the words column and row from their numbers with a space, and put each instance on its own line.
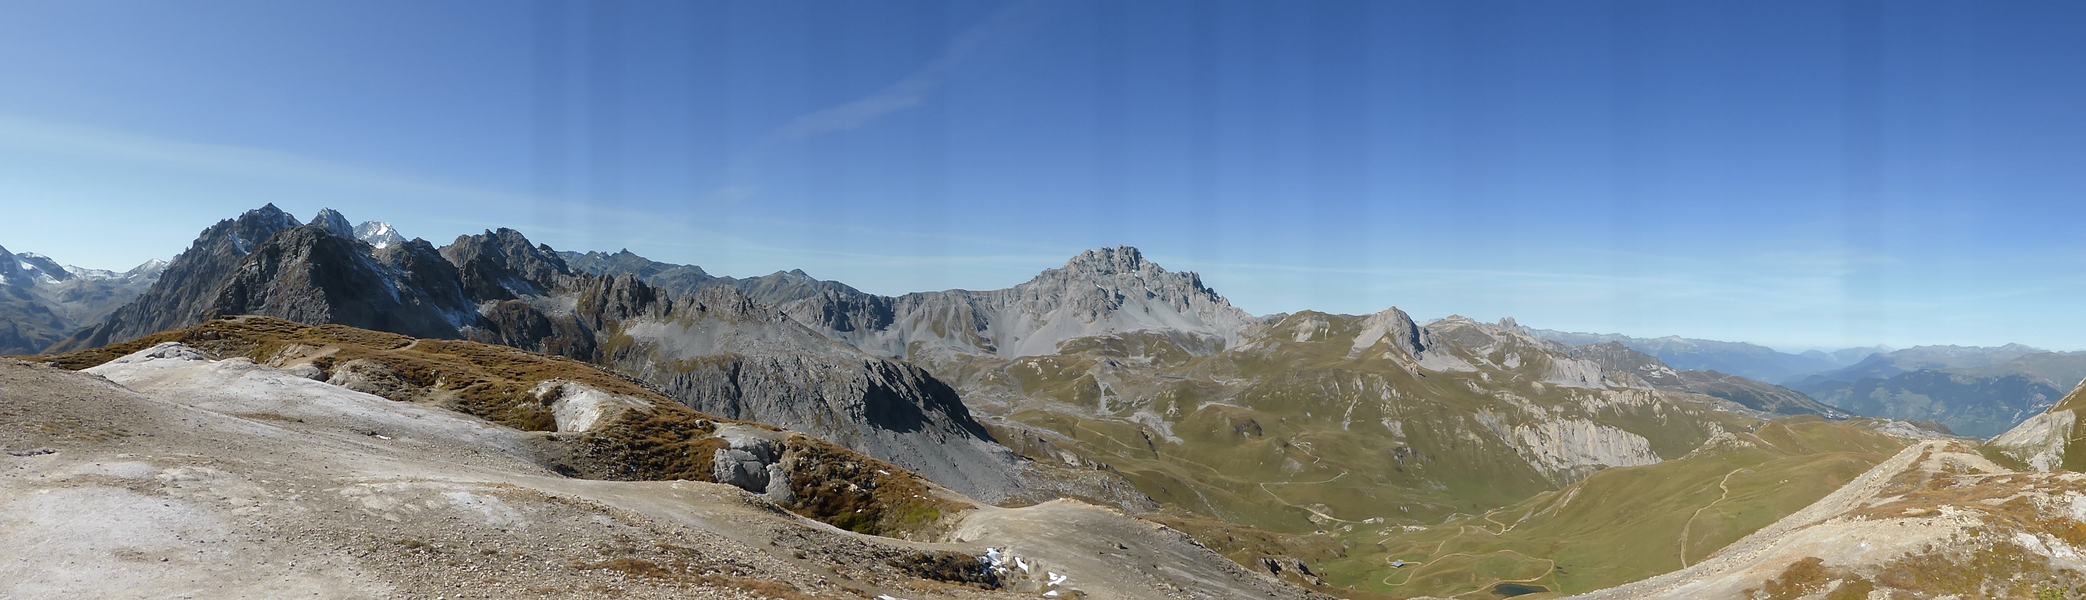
column 309, row 275
column 2040, row 441
column 1571, row 448
column 890, row 410
column 1394, row 328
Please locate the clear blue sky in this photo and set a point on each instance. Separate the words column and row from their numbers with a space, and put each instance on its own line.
column 1792, row 173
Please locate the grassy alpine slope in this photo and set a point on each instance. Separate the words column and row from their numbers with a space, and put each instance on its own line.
column 1623, row 524
column 1295, row 436
column 1324, row 439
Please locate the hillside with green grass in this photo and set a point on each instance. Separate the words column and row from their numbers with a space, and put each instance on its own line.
column 1619, row 525
column 1351, row 442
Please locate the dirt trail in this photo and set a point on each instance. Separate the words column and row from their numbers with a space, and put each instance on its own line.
column 1285, row 502
column 1751, row 552
column 1724, row 487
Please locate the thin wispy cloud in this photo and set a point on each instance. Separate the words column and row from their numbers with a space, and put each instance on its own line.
column 916, row 87
column 908, row 92
column 64, row 138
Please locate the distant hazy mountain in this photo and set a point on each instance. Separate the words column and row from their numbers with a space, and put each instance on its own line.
column 1974, row 391
column 1918, row 358
column 42, row 301
column 1751, row 361
column 1845, row 356
column 1615, row 357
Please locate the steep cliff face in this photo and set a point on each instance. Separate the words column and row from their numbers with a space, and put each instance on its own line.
column 2042, row 441
column 312, row 275
column 723, row 353
column 2047, row 441
column 1575, row 448
column 503, row 265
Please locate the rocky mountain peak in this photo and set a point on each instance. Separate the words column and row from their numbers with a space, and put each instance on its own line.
column 503, row 264
column 248, row 230
column 268, row 214
column 151, row 267
column 379, row 234
column 1110, row 261
column 332, row 222
column 1123, row 271
column 1404, row 335
column 609, row 299
column 43, row 266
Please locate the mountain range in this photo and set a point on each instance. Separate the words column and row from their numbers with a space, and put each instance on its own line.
column 42, row 301
column 1973, row 391
column 1751, row 361
column 1967, row 390
column 1327, row 450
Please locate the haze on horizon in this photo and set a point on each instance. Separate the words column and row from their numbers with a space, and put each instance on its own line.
column 1793, row 174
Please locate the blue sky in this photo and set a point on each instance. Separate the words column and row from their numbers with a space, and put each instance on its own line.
column 1791, row 173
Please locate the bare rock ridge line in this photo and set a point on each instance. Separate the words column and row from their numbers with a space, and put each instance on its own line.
column 1100, row 291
